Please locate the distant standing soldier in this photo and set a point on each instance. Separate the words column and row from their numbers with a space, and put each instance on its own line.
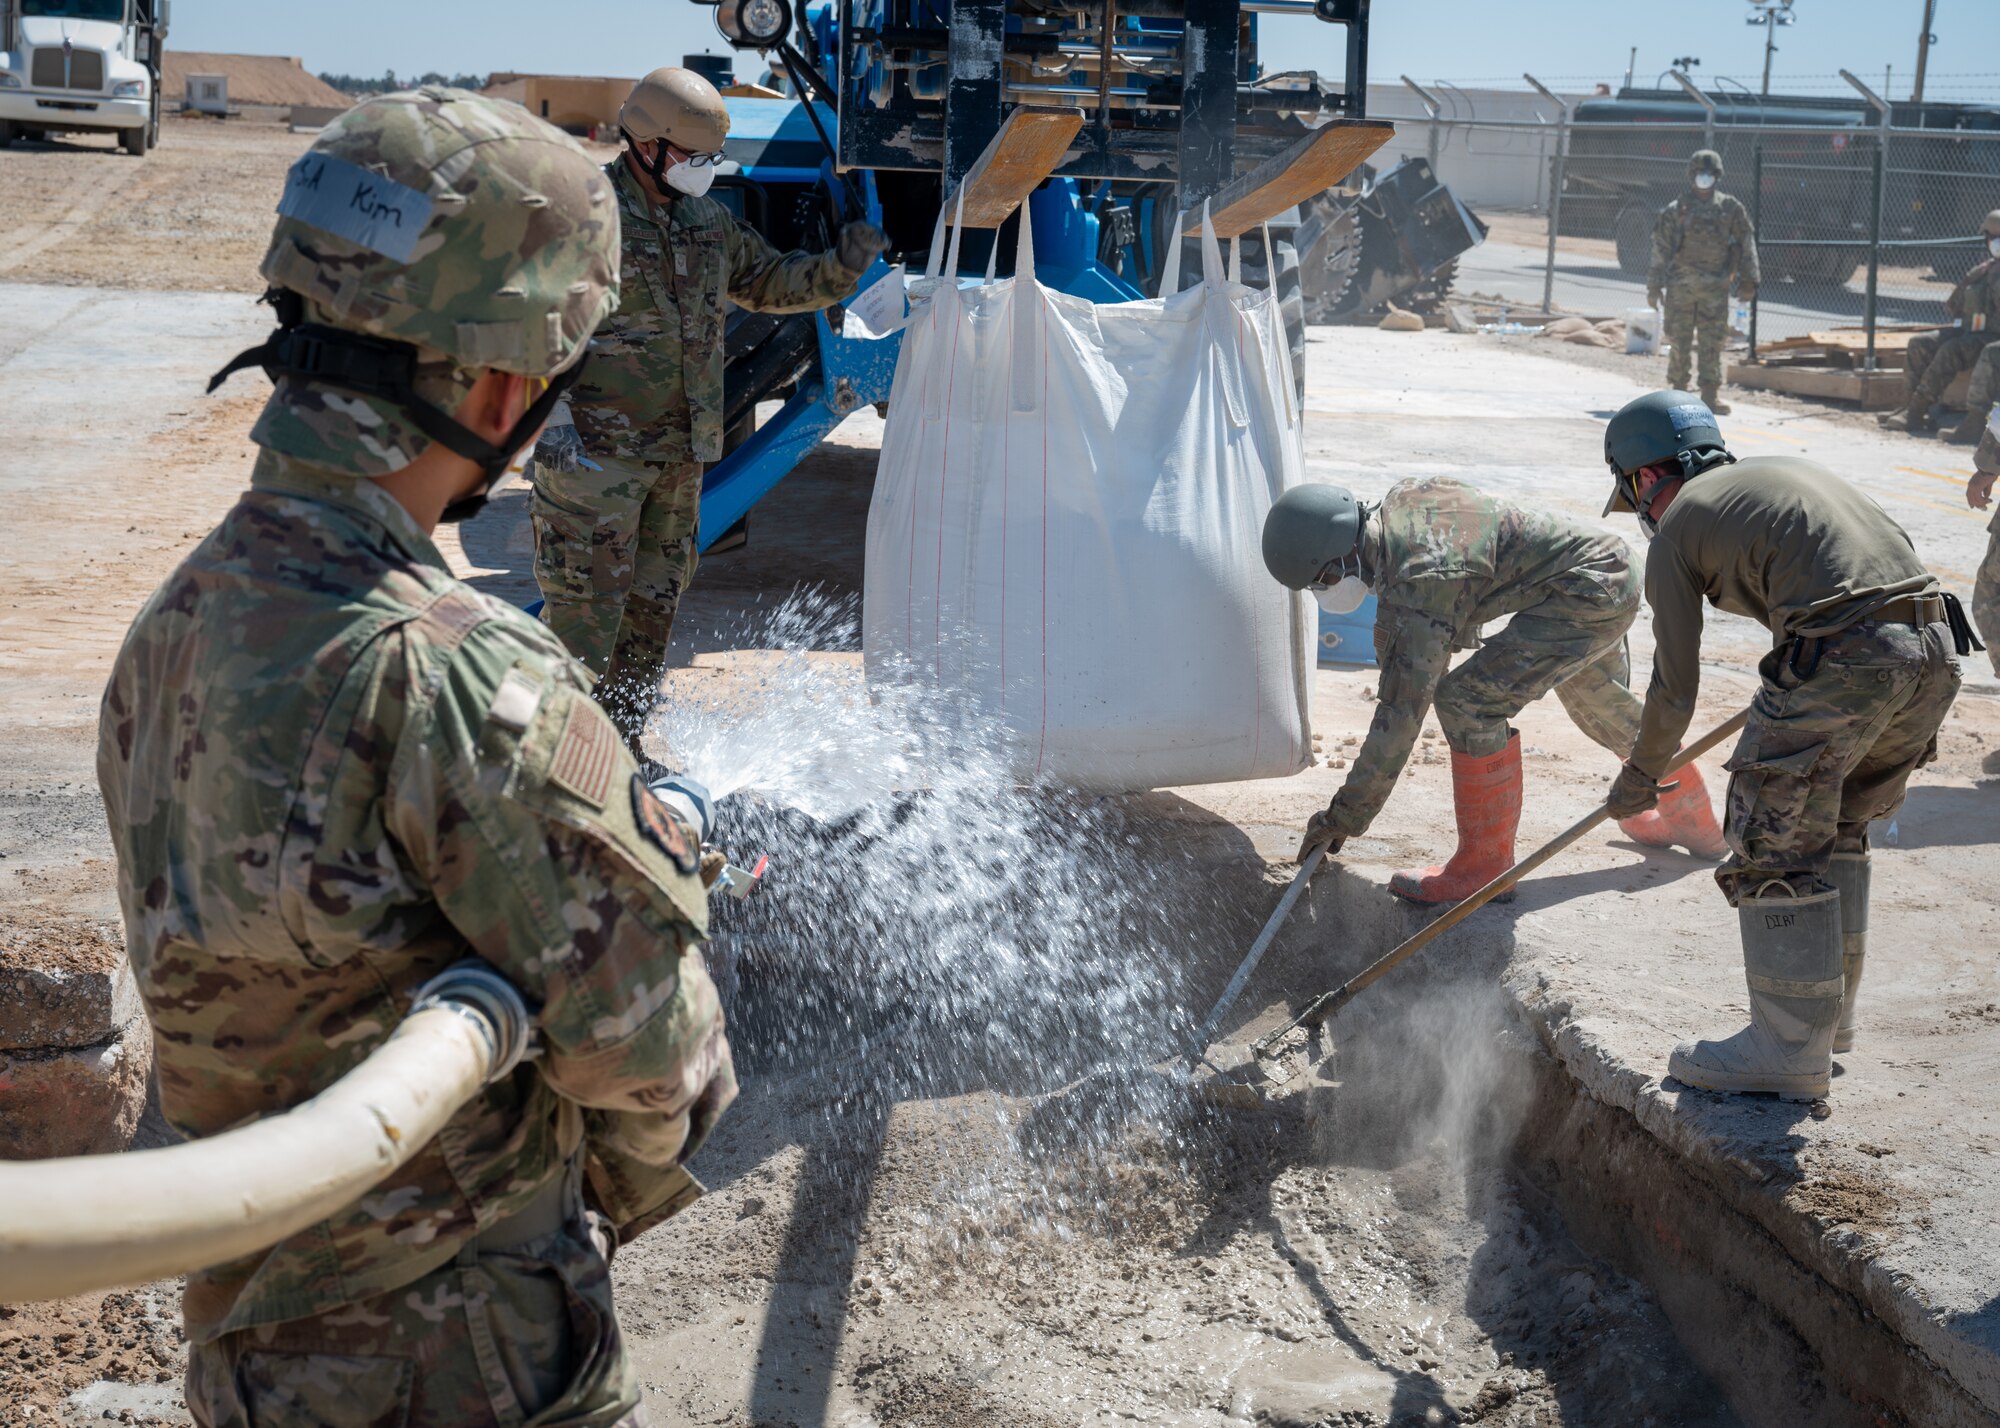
column 1979, row 496
column 617, row 503
column 1937, row 357
column 1863, row 670
column 1443, row 559
column 1701, row 242
column 332, row 771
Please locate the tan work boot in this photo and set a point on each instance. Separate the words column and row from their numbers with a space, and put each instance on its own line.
column 1968, row 432
column 1712, row 399
column 1792, row 962
column 1916, row 423
column 1849, row 875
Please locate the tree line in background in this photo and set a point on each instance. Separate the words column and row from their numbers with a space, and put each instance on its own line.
column 390, row 81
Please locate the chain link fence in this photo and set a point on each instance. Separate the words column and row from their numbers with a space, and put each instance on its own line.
column 1862, row 228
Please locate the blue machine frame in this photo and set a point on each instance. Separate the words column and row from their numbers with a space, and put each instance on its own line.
column 855, row 372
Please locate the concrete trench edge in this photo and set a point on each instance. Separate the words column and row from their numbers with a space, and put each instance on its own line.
column 1606, row 1141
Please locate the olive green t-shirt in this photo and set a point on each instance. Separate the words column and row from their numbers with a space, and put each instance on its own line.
column 1777, row 538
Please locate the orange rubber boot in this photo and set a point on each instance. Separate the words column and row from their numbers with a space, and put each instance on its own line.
column 1684, row 818
column 1486, row 795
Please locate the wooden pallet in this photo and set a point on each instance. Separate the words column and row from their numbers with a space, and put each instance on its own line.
column 1843, row 347
column 1871, row 391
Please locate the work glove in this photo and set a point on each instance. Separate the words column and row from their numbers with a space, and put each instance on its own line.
column 1746, row 292
column 560, row 448
column 860, row 244
column 1654, row 297
column 1632, row 793
column 1320, row 833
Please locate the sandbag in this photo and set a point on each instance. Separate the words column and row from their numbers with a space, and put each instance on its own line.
column 1064, row 541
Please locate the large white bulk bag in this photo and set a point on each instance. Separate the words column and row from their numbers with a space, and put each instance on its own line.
column 1065, row 536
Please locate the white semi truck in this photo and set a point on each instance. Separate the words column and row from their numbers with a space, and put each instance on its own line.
column 82, row 67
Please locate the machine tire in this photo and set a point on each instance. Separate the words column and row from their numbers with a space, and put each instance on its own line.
column 1633, row 232
column 134, row 141
column 8, row 133
column 1432, row 292
column 1327, row 271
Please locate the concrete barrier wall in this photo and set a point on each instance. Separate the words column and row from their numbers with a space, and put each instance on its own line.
column 1488, row 168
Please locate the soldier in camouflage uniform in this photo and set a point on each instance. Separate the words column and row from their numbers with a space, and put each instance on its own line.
column 1986, row 584
column 1935, row 358
column 332, row 770
column 1864, row 670
column 1701, row 241
column 1982, row 396
column 1444, row 560
column 618, row 495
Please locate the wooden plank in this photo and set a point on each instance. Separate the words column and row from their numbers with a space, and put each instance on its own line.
column 1872, row 391
column 1026, row 150
column 1313, row 165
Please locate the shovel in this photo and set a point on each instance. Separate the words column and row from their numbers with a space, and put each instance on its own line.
column 1321, row 1008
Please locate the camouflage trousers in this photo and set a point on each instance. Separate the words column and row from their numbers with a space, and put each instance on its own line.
column 1697, row 315
column 614, row 549
column 1831, row 746
column 1982, row 393
column 1576, row 649
column 1986, row 591
column 1934, row 358
column 521, row 1339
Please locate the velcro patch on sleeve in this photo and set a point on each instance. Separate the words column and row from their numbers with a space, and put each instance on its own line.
column 516, row 701
column 587, row 755
column 658, row 823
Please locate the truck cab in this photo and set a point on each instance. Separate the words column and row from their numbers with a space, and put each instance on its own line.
column 82, row 66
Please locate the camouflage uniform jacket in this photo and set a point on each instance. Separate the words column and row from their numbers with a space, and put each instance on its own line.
column 1447, row 560
column 1977, row 295
column 331, row 770
column 1696, row 238
column 653, row 390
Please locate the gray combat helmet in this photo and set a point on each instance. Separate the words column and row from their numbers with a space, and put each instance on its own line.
column 1660, row 426
column 1705, row 161
column 1309, row 528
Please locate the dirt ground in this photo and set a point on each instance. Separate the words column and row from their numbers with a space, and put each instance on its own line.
column 867, row 1258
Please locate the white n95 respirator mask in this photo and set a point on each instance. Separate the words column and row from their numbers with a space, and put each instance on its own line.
column 692, row 181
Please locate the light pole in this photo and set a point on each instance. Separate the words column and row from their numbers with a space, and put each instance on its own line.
column 1924, row 43
column 1770, row 14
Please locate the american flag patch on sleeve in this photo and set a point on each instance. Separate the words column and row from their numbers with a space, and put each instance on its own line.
column 587, row 755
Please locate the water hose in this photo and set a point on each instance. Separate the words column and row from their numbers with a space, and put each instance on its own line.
column 95, row 1222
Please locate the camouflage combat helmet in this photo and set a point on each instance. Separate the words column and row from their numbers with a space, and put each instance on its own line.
column 1310, row 528
column 1991, row 226
column 678, row 106
column 1660, row 426
column 1705, row 161
column 423, row 237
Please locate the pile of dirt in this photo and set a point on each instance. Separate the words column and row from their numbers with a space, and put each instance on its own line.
column 253, row 79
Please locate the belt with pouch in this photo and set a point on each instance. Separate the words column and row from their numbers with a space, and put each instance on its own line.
column 1941, row 608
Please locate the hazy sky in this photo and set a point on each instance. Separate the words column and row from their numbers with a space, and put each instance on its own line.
column 1571, row 42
